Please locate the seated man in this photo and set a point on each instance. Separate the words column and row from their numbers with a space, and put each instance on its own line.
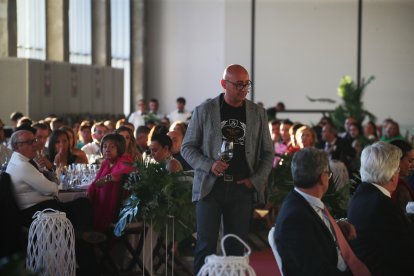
column 32, row 187
column 308, row 240
column 34, row 192
column 141, row 138
column 384, row 240
column 99, row 130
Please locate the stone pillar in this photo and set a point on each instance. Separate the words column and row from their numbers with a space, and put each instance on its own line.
column 137, row 51
column 8, row 28
column 57, row 30
column 101, row 32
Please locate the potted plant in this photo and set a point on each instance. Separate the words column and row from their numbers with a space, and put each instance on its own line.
column 161, row 197
column 352, row 105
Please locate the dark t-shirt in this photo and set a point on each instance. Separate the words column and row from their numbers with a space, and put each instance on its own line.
column 233, row 128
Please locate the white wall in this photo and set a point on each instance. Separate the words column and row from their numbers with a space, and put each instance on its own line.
column 185, row 50
column 303, row 48
column 388, row 54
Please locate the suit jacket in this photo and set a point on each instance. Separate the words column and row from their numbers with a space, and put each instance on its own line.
column 304, row 242
column 343, row 151
column 384, row 242
column 203, row 139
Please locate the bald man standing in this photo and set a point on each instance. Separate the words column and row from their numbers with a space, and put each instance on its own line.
column 229, row 116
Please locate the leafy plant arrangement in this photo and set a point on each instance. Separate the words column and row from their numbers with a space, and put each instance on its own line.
column 160, row 197
column 151, row 118
column 281, row 180
column 336, row 200
column 15, row 265
column 352, row 105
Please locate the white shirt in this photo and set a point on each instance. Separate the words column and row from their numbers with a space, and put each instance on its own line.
column 318, row 206
column 183, row 116
column 382, row 189
column 91, row 148
column 137, row 119
column 30, row 185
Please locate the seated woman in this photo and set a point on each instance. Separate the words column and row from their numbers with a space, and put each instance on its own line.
column 403, row 194
column 370, row 132
column 130, row 145
column 104, row 190
column 80, row 154
column 293, row 145
column 161, row 152
column 60, row 152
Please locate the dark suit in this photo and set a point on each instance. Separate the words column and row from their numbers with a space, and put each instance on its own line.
column 343, row 151
column 304, row 242
column 384, row 242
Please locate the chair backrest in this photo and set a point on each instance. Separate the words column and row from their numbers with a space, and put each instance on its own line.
column 11, row 237
column 272, row 242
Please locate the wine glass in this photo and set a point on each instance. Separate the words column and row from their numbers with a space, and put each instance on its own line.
column 226, row 154
column 38, row 158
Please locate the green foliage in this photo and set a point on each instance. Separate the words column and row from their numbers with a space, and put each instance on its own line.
column 151, row 117
column 352, row 104
column 161, row 197
column 336, row 200
column 15, row 265
column 281, row 180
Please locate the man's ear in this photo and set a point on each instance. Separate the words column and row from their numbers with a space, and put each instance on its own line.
column 223, row 83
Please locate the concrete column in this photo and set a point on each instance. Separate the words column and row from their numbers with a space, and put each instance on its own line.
column 57, row 30
column 137, row 51
column 8, row 28
column 101, row 32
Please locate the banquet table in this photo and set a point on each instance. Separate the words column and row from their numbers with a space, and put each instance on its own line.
column 71, row 194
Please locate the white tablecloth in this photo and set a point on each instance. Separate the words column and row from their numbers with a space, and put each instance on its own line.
column 68, row 195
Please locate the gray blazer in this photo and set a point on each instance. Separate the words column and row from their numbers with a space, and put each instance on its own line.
column 203, row 140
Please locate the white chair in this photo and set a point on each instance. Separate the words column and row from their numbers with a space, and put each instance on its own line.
column 271, row 239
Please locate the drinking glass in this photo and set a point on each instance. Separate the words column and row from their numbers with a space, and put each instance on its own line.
column 226, row 154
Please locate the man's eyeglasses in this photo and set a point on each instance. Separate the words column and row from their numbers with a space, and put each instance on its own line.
column 29, row 142
column 240, row 85
column 329, row 174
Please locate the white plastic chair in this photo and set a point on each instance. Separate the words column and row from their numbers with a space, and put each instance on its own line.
column 271, row 239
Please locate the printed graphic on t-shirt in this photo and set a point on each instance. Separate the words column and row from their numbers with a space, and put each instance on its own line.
column 234, row 130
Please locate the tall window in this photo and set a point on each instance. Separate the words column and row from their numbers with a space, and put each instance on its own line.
column 31, row 29
column 80, row 35
column 120, row 44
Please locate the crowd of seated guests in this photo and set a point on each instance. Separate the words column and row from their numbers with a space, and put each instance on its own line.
column 139, row 136
column 343, row 148
column 60, row 145
column 51, row 143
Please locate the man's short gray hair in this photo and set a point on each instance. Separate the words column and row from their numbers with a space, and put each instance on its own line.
column 379, row 162
column 307, row 165
column 14, row 139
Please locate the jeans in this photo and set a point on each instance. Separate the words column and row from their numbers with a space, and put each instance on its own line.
column 232, row 202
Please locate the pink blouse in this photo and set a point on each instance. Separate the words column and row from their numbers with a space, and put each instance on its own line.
column 105, row 200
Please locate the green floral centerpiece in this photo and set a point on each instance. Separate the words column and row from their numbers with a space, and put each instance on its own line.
column 160, row 197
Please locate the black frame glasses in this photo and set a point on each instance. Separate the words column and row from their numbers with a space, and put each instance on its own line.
column 240, row 85
column 29, row 142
